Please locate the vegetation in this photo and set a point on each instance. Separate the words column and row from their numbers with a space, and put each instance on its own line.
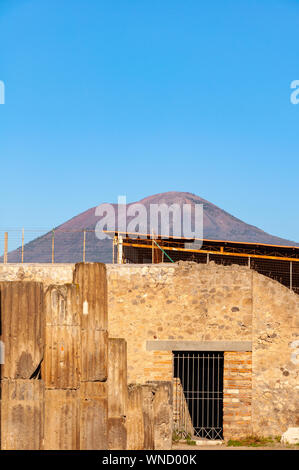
column 254, row 441
column 179, row 435
column 190, row 442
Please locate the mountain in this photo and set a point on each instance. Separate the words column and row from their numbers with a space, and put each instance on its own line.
column 218, row 225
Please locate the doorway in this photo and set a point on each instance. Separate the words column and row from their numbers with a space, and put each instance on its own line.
column 198, row 392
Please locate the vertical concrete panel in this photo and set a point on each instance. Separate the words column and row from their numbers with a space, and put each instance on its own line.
column 117, row 393
column 62, row 305
column 61, row 368
column 163, row 415
column 117, row 433
column 61, row 365
column 148, row 417
column 94, row 355
column 62, row 420
column 157, row 410
column 22, row 320
column 134, row 418
column 117, row 377
column 22, row 414
column 93, row 416
column 92, row 287
column 92, row 282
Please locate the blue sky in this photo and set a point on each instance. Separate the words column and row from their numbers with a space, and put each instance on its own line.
column 138, row 97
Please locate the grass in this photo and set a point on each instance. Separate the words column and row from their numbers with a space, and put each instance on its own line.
column 253, row 441
column 176, row 436
column 190, row 442
column 180, row 435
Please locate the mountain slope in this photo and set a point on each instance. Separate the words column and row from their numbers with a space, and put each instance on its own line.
column 218, row 225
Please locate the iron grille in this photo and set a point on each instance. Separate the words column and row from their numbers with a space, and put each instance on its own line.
column 198, row 393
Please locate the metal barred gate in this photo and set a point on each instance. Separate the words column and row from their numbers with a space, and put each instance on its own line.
column 198, row 393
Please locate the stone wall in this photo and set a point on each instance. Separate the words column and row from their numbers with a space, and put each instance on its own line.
column 185, row 301
column 199, row 304
column 39, row 272
column 203, row 304
column 237, row 394
column 275, row 357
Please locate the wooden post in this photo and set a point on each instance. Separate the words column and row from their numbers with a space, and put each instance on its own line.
column 53, row 238
column 249, row 262
column 114, row 242
column 153, row 247
column 5, row 247
column 291, row 275
column 22, row 245
column 84, row 244
column 153, row 251
column 120, row 249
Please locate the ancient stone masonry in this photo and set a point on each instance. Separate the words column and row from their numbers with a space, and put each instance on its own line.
column 54, row 392
column 38, row 272
column 64, row 382
column 156, row 310
column 22, row 325
column 275, row 357
column 237, row 394
column 185, row 302
column 201, row 305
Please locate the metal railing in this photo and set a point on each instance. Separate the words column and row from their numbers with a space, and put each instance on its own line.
column 72, row 246
column 53, row 246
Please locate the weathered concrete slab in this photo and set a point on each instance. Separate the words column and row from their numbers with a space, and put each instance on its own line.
column 62, row 305
column 93, row 416
column 291, row 436
column 148, row 417
column 117, row 377
column 61, row 365
column 92, row 282
column 198, row 345
column 117, row 393
column 62, row 420
column 22, row 414
column 22, row 320
column 134, row 418
column 163, row 414
column 117, row 433
column 94, row 355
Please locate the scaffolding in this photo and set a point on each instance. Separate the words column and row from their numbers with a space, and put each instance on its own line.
column 280, row 263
